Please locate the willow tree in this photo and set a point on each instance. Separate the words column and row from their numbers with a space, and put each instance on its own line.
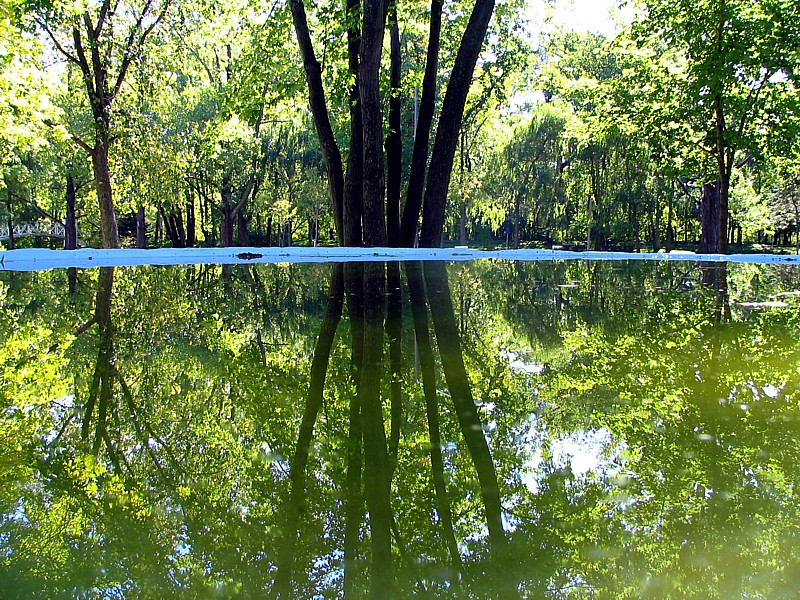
column 366, row 198
column 102, row 40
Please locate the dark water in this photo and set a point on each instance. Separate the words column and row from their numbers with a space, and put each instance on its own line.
column 480, row 430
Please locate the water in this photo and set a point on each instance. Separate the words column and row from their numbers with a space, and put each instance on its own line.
column 551, row 430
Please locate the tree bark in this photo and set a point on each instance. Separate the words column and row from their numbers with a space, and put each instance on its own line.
column 711, row 228
column 374, row 222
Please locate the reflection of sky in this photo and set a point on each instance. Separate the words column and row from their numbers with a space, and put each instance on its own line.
column 516, row 363
column 581, row 452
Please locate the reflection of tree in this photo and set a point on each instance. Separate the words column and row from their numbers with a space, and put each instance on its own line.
column 369, row 305
column 255, row 476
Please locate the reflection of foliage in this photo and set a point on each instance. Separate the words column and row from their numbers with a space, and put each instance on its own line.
column 686, row 420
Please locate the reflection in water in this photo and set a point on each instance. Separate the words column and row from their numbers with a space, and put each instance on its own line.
column 482, row 430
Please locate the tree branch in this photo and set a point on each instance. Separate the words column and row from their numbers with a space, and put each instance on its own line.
column 59, row 47
column 129, row 53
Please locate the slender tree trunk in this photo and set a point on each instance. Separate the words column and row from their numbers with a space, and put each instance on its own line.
column 159, row 226
column 141, row 228
column 444, row 325
column 670, row 238
column 394, row 330
column 353, row 210
column 354, row 289
column 376, row 488
column 394, row 140
column 711, row 228
column 102, row 182
column 226, row 223
column 427, row 364
column 191, row 225
column 422, row 131
column 319, row 110
column 11, row 244
column 70, row 220
column 444, row 147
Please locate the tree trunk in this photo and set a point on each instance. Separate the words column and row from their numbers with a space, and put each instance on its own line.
column 374, row 222
column 159, row 226
column 319, row 110
column 314, row 399
column 70, row 220
column 191, row 225
column 444, row 147
column 376, row 485
column 422, row 131
column 416, row 288
column 10, row 218
column 711, row 228
column 226, row 223
column 243, row 229
column 102, row 182
column 353, row 200
column 394, row 140
column 141, row 228
column 455, row 374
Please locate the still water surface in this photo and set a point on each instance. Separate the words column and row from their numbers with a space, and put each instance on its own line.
column 480, row 430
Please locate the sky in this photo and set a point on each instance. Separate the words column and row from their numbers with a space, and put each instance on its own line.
column 580, row 15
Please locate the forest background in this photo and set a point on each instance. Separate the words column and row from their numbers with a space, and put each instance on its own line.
column 378, row 122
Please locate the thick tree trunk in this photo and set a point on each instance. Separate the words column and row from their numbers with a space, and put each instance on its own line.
column 711, row 227
column 374, row 223
column 102, row 182
column 444, row 147
column 242, row 229
column 353, row 210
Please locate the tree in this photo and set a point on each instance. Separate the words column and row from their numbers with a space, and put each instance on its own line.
column 102, row 40
column 723, row 70
column 359, row 190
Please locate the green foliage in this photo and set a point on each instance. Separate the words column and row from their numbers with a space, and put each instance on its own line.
column 640, row 426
